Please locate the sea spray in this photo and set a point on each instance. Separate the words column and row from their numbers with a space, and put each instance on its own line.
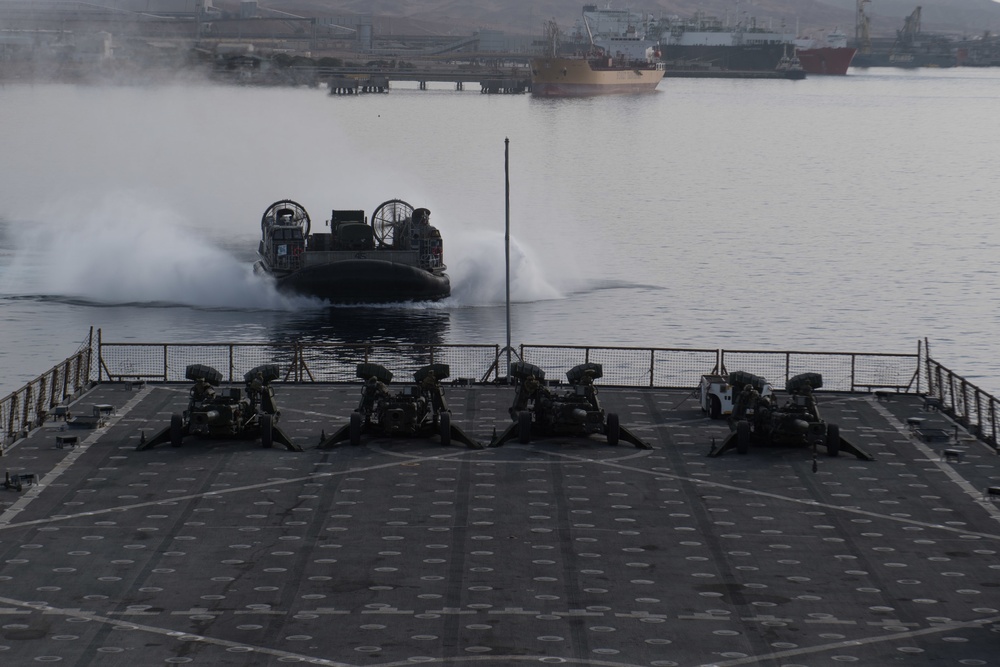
column 124, row 251
column 478, row 276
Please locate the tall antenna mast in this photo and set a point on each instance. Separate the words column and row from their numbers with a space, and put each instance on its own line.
column 506, row 236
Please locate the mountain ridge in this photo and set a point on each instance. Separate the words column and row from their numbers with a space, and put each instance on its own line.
column 966, row 18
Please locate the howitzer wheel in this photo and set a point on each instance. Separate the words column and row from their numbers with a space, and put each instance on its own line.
column 613, row 429
column 742, row 437
column 390, row 221
column 266, row 431
column 524, row 427
column 445, row 428
column 715, row 407
column 355, row 428
column 176, row 430
column 832, row 440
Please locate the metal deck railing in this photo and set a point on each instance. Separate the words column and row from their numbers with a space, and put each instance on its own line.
column 963, row 401
column 29, row 406
column 662, row 368
column 677, row 368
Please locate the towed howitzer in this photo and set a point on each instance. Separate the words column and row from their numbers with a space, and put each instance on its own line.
column 419, row 410
column 540, row 411
column 758, row 419
column 226, row 415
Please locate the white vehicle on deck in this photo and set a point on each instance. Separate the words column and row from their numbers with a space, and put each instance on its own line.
column 717, row 392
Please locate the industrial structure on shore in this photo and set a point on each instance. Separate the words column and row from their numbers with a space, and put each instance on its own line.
column 75, row 40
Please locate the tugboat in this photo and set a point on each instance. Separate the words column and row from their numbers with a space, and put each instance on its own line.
column 396, row 257
column 790, row 67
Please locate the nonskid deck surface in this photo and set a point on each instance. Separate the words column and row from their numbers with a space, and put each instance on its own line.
column 559, row 551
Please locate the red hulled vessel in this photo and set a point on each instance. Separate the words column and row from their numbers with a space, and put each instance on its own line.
column 831, row 55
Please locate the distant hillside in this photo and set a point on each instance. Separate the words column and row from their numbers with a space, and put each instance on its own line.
column 957, row 17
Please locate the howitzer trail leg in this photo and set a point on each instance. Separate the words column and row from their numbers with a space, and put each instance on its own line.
column 460, row 435
column 279, row 436
column 508, row 434
column 727, row 444
column 628, row 436
column 835, row 444
column 161, row 436
column 342, row 434
column 846, row 446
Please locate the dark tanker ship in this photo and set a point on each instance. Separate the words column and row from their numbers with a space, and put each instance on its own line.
column 396, row 257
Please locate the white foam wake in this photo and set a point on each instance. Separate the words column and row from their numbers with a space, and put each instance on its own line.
column 124, row 251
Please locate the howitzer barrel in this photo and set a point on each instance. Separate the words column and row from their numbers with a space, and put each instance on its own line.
column 205, row 418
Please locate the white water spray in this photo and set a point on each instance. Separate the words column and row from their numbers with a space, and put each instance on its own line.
column 477, row 271
column 124, row 251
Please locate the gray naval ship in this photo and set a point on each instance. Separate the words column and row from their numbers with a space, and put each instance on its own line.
column 554, row 549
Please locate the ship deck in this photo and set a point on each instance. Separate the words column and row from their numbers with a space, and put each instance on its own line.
column 563, row 550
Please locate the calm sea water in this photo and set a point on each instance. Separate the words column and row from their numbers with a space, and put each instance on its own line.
column 831, row 214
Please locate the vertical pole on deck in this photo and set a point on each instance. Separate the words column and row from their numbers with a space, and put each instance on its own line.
column 506, row 238
column 100, row 354
column 919, row 359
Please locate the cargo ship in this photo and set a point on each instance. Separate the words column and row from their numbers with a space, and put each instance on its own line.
column 707, row 41
column 396, row 257
column 827, row 55
column 578, row 77
column 612, row 64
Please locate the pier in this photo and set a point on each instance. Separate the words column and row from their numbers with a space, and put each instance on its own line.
column 708, row 73
column 353, row 81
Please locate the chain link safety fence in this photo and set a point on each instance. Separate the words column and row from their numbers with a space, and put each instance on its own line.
column 622, row 367
column 841, row 371
column 682, row 368
column 319, row 362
